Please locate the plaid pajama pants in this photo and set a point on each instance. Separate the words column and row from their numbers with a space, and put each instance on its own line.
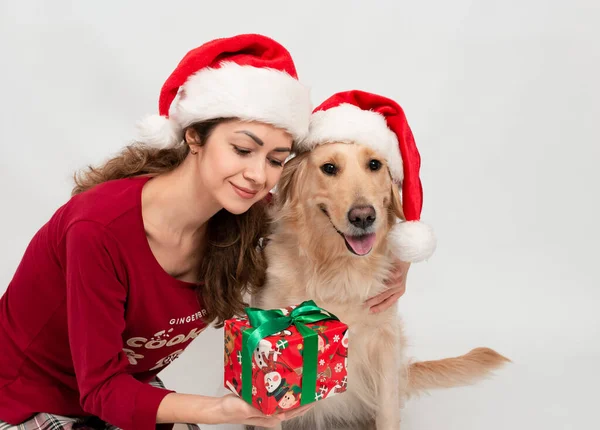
column 45, row 421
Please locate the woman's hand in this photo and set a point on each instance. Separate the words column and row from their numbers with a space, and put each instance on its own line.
column 237, row 411
column 229, row 409
column 396, row 288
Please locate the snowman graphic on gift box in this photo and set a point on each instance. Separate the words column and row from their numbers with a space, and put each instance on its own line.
column 266, row 359
column 286, row 395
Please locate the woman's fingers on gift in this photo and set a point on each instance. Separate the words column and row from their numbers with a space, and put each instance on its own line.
column 293, row 413
column 267, row 422
column 240, row 412
column 258, row 419
column 273, row 421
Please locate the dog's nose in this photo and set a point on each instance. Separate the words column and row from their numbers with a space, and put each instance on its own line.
column 362, row 216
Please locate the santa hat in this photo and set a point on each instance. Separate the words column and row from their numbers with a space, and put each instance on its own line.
column 379, row 123
column 249, row 76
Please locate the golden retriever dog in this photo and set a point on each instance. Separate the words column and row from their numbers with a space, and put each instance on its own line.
column 333, row 213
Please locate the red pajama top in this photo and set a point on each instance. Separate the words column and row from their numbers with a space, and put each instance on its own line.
column 90, row 316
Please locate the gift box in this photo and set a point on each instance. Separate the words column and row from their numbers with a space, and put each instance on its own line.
column 280, row 359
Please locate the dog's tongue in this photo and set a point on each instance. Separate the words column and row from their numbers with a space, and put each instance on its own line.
column 361, row 244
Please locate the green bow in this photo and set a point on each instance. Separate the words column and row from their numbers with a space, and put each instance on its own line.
column 267, row 322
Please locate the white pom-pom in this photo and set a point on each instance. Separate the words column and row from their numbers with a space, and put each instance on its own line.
column 159, row 131
column 412, row 241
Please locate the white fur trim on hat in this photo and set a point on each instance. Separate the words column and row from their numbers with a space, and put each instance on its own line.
column 249, row 93
column 412, row 241
column 350, row 124
column 233, row 91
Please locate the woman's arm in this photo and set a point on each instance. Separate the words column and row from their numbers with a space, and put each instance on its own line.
column 96, row 321
column 95, row 315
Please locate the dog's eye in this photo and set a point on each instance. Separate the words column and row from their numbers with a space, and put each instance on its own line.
column 374, row 165
column 329, row 169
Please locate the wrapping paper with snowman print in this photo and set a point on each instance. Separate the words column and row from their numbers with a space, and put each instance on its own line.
column 278, row 362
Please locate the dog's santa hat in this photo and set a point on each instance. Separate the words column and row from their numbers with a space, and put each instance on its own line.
column 250, row 77
column 379, row 123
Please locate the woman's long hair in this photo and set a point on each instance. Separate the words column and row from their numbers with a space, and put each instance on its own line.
column 232, row 264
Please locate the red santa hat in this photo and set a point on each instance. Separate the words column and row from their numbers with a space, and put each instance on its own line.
column 379, row 123
column 249, row 76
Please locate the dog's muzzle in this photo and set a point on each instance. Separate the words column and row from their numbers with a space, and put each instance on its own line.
column 362, row 218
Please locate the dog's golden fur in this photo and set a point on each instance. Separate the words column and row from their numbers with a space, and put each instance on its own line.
column 309, row 259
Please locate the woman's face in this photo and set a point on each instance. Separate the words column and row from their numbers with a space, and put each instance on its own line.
column 240, row 162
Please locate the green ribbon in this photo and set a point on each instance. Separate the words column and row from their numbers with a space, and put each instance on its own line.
column 267, row 322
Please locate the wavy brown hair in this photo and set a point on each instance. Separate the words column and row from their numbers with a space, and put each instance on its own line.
column 233, row 263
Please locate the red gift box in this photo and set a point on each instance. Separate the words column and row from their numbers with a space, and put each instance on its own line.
column 302, row 362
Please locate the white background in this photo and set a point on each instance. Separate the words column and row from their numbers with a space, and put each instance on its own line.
column 502, row 97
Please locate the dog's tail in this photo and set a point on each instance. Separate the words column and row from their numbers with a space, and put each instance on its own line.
column 455, row 371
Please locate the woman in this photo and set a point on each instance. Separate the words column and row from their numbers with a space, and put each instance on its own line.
column 154, row 245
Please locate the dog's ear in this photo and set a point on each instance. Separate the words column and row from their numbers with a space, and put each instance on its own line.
column 292, row 177
column 395, row 203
